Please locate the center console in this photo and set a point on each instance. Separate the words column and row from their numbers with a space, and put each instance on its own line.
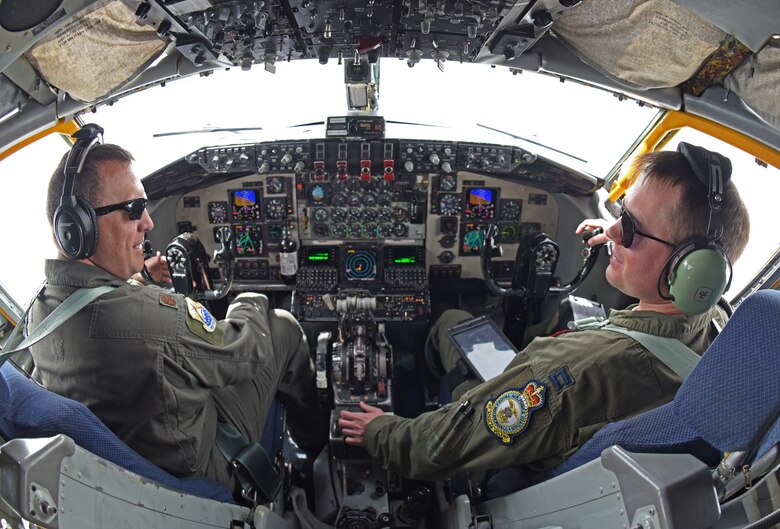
column 391, row 279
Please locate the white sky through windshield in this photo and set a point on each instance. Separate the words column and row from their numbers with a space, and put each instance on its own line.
column 589, row 124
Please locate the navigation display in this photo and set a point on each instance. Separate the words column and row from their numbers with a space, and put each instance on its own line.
column 360, row 264
column 245, row 205
column 473, row 238
column 249, row 240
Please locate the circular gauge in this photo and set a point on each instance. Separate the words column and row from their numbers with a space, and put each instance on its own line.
column 339, row 230
column 338, row 185
column 218, row 212
column 354, row 214
column 275, row 232
column 369, row 230
column 370, row 214
column 447, row 182
column 339, row 199
column 353, row 199
column 321, row 230
column 384, row 230
column 481, row 211
column 354, row 184
column 320, row 214
column 318, row 194
column 275, row 209
column 369, row 200
column 354, row 231
column 385, row 198
column 510, row 210
column 400, row 214
column 507, row 233
column 339, row 215
column 449, row 205
column 274, row 185
column 360, row 265
column 385, row 214
column 400, row 230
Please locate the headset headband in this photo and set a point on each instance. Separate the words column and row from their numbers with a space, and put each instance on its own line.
column 713, row 170
column 86, row 138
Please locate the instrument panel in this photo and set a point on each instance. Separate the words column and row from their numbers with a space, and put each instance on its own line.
column 386, row 217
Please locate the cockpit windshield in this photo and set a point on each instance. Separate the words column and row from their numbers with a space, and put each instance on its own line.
column 589, row 130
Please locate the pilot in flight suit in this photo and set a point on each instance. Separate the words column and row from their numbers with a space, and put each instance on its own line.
column 559, row 391
column 160, row 371
column 553, row 396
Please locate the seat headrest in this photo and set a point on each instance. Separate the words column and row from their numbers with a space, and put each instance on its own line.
column 732, row 397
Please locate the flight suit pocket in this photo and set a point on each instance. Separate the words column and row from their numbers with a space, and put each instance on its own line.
column 447, row 438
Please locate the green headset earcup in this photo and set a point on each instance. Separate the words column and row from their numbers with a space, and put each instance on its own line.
column 698, row 280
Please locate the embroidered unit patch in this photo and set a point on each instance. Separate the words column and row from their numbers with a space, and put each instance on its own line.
column 168, row 300
column 508, row 415
column 200, row 313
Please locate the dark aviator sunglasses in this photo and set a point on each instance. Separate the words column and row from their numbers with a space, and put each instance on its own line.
column 629, row 229
column 135, row 208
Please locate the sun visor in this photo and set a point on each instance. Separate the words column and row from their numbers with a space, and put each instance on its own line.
column 649, row 43
column 96, row 51
column 756, row 81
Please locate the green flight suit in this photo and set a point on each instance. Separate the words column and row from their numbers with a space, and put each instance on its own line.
column 159, row 371
column 553, row 396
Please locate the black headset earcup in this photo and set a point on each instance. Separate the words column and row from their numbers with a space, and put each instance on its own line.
column 699, row 274
column 75, row 228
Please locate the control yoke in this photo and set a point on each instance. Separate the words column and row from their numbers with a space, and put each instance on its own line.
column 535, row 265
column 188, row 263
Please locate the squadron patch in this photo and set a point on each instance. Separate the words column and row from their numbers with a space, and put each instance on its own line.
column 508, row 415
column 199, row 313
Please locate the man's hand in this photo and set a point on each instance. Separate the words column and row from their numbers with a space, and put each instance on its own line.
column 157, row 266
column 594, row 224
column 353, row 423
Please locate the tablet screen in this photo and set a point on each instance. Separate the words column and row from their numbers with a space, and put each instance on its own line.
column 483, row 346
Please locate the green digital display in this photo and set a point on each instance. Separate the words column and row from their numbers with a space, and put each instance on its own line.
column 319, row 256
column 405, row 260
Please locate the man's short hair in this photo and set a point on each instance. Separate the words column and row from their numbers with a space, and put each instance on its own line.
column 693, row 210
column 88, row 182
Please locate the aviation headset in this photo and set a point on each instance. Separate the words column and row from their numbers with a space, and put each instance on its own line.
column 75, row 222
column 699, row 271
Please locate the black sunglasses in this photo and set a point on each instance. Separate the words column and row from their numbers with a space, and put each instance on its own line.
column 135, row 208
column 628, row 229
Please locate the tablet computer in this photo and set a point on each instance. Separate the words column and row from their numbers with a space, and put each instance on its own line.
column 483, row 346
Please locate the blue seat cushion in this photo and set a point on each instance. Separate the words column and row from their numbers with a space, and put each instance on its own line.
column 732, row 398
column 30, row 411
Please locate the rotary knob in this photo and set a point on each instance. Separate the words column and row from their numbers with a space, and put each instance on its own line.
column 446, row 257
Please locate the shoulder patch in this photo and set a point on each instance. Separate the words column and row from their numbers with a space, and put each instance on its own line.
column 199, row 313
column 508, row 415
